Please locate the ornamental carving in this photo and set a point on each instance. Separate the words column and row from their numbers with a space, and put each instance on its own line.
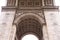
column 30, row 3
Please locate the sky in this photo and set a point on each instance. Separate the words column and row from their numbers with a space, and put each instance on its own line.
column 29, row 37
column 2, row 3
column 57, row 2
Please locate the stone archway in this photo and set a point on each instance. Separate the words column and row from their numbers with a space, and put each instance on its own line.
column 29, row 25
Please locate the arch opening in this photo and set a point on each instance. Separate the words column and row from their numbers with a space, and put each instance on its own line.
column 29, row 37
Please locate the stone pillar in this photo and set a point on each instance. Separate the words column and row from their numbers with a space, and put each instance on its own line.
column 6, row 20
column 51, row 14
column 13, row 33
column 45, row 32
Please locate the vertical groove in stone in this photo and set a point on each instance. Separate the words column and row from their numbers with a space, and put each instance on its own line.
column 11, row 2
column 48, row 2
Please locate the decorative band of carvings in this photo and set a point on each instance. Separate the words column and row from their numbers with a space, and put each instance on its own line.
column 29, row 3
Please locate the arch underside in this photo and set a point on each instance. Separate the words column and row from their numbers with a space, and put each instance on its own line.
column 29, row 26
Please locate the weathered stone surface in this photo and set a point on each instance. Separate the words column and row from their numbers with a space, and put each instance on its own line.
column 12, row 33
column 45, row 33
column 52, row 24
column 6, row 24
column 34, row 9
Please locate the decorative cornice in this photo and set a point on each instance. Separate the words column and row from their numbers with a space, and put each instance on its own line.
column 6, row 8
column 50, row 7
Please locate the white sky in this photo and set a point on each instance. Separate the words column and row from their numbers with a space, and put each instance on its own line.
column 29, row 37
column 57, row 2
column 3, row 3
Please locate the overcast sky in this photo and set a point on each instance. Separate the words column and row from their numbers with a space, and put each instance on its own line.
column 2, row 3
